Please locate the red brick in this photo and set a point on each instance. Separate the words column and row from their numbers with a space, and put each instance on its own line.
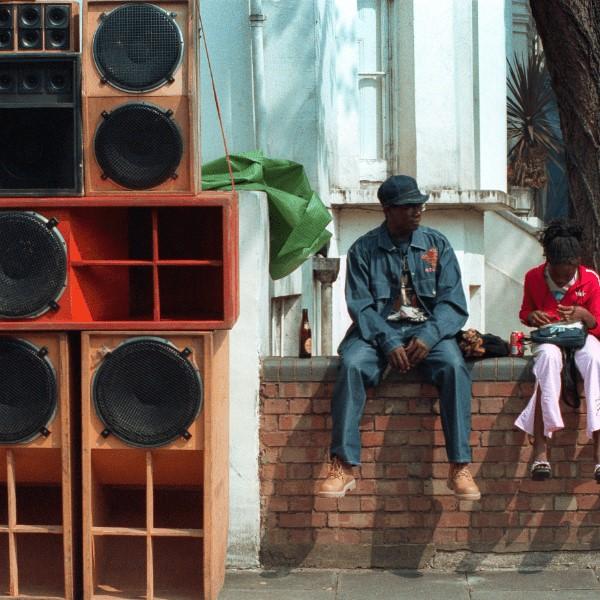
column 374, row 407
column 420, row 405
column 299, row 471
column 403, row 519
column 447, row 519
column 372, row 438
column 491, row 405
column 268, row 422
column 305, row 519
column 349, row 504
column 371, row 503
column 301, row 503
column 300, row 406
column 397, row 422
column 274, row 438
column 495, row 388
column 419, row 503
column 366, row 423
column 302, row 454
column 301, row 422
column 395, row 390
column 321, row 405
column 396, row 471
column 300, row 536
column 396, row 504
column 298, row 389
column 431, row 423
column 325, row 504
column 273, row 471
column 269, row 390
column 275, row 406
column 429, row 391
column 352, row 520
column 442, row 535
column 297, row 487
column 276, row 504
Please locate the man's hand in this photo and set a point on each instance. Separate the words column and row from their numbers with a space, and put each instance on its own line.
column 416, row 351
column 398, row 359
column 577, row 313
column 537, row 318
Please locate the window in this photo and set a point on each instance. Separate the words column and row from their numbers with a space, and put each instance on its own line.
column 372, row 81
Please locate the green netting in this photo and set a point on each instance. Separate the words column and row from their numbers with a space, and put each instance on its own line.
column 297, row 216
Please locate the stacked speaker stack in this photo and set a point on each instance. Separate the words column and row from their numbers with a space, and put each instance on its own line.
column 118, row 283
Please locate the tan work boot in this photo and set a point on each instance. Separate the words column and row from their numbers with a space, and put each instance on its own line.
column 461, row 482
column 339, row 480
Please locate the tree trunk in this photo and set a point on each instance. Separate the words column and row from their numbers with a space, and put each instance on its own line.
column 570, row 33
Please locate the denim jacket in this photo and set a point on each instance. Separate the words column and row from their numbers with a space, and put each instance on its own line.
column 373, row 272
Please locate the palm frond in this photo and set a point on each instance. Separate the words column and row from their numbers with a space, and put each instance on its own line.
column 530, row 131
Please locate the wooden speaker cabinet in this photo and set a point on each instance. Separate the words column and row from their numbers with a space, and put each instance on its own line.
column 156, row 263
column 36, row 538
column 155, row 512
column 140, row 97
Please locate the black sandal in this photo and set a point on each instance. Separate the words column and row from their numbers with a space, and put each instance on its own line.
column 541, row 470
column 597, row 474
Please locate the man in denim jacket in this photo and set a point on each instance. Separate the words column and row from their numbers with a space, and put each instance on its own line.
column 404, row 294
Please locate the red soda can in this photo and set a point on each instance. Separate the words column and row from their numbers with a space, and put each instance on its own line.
column 516, row 343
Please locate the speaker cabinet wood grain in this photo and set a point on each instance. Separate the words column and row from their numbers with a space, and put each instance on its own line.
column 36, row 517
column 155, row 519
column 140, row 97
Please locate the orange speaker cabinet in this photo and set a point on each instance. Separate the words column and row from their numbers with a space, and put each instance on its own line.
column 36, row 537
column 155, row 519
column 137, row 262
column 140, row 97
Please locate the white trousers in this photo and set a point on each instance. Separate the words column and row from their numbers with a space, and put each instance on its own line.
column 547, row 367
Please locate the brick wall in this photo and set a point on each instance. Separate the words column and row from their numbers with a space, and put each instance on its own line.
column 402, row 512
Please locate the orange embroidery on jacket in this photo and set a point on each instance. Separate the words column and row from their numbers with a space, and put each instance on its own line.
column 431, row 258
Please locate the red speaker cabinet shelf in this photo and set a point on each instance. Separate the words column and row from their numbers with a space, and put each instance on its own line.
column 138, row 262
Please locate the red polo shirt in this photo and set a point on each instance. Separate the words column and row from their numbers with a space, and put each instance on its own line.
column 584, row 292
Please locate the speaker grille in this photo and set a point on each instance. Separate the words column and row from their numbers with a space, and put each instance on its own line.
column 27, row 391
column 33, row 264
column 137, row 47
column 138, row 146
column 146, row 392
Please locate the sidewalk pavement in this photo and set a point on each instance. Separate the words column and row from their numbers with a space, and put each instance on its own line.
column 317, row 584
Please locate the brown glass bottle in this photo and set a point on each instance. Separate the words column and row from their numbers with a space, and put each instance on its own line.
column 305, row 350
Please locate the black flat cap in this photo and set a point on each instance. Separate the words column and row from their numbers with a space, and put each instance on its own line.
column 400, row 189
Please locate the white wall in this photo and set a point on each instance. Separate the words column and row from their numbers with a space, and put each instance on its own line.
column 248, row 341
column 510, row 251
column 228, row 37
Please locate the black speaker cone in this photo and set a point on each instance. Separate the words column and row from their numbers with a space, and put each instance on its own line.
column 33, row 265
column 138, row 47
column 146, row 392
column 57, row 16
column 5, row 17
column 138, row 146
column 30, row 38
column 28, row 395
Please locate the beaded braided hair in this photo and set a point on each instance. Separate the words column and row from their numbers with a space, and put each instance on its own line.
column 561, row 241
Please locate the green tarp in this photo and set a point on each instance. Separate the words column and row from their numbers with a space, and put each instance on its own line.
column 297, row 216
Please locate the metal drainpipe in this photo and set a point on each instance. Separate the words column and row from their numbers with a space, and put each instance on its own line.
column 257, row 20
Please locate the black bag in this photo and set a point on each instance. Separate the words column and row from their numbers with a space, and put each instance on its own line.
column 564, row 335
column 474, row 344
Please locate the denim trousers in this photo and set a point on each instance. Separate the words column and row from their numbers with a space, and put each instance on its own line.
column 361, row 367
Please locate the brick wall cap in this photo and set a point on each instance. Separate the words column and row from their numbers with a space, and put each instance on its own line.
column 324, row 368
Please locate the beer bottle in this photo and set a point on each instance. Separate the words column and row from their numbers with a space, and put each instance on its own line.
column 305, row 350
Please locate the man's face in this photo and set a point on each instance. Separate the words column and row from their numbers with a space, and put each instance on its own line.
column 404, row 218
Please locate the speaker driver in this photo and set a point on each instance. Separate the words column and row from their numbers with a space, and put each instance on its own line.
column 138, row 146
column 138, row 47
column 28, row 396
column 146, row 392
column 33, row 264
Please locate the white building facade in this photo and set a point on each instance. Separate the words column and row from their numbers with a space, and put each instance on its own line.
column 356, row 90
